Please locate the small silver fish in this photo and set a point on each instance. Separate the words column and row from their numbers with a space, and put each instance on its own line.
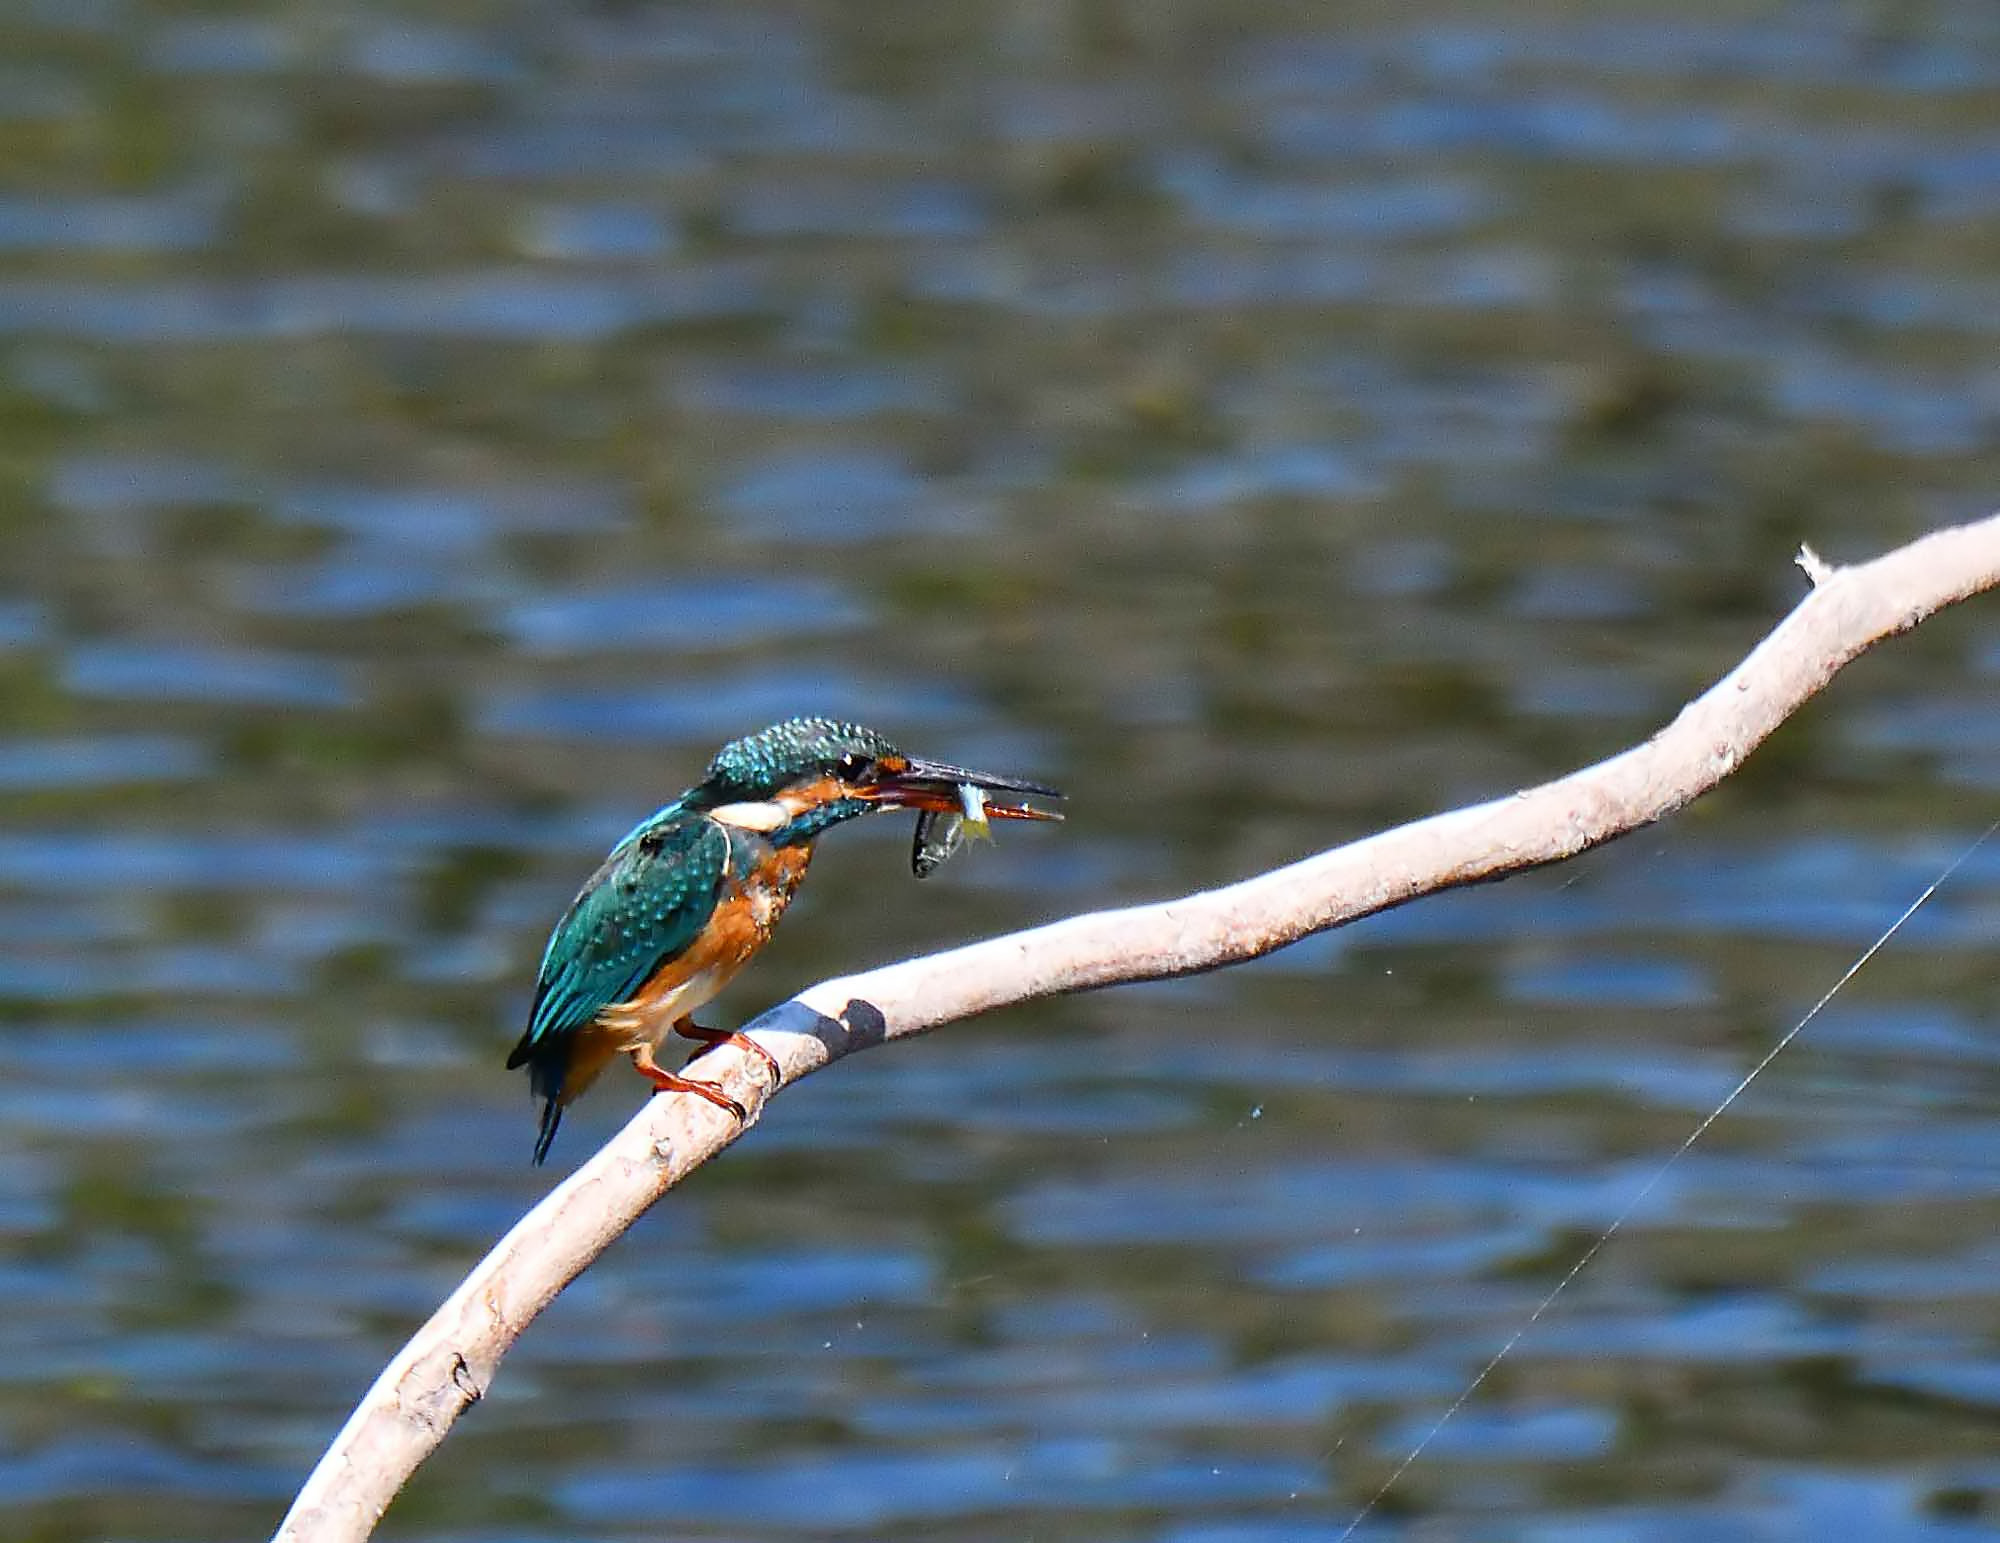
column 939, row 833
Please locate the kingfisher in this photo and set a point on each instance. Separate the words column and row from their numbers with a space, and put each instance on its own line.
column 693, row 891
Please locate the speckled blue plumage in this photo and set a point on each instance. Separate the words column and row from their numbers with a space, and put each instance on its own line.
column 757, row 765
column 649, row 900
column 644, row 906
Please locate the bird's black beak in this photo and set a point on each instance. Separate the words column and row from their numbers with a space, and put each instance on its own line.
column 921, row 784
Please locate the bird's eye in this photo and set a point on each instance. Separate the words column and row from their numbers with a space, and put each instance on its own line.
column 853, row 766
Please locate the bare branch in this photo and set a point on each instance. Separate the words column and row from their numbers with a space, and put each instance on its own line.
column 451, row 1360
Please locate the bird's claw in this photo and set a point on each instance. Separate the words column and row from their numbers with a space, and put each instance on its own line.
column 710, row 1038
column 667, row 1082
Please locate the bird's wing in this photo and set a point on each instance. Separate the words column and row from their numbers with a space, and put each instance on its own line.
column 642, row 908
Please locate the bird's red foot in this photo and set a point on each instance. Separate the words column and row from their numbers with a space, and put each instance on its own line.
column 664, row 1081
column 687, row 1028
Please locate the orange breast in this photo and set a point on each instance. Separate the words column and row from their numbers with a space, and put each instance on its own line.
column 747, row 911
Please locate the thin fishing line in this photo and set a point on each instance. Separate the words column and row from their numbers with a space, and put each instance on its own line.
column 1660, row 1173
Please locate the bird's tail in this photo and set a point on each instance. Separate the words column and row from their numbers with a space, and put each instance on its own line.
column 551, row 1118
column 558, row 1073
column 548, row 1071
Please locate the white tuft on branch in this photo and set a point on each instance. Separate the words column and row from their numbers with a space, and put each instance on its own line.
column 451, row 1360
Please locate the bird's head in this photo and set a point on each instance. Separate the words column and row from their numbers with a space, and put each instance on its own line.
column 799, row 778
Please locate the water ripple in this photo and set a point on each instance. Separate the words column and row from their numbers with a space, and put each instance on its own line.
column 523, row 305
column 187, row 672
column 718, row 613
column 105, row 761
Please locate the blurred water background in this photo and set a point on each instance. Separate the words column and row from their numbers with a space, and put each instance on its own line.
column 427, row 430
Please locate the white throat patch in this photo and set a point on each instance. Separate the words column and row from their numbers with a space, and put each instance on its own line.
column 754, row 816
